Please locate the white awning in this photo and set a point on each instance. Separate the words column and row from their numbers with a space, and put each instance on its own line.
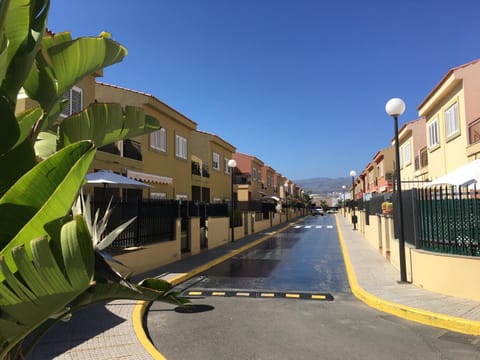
column 152, row 178
column 466, row 175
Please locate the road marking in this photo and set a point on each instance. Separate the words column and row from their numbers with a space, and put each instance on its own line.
column 308, row 226
column 292, row 296
column 262, row 294
column 267, row 295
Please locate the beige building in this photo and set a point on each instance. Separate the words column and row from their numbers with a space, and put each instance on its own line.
column 162, row 158
column 413, row 152
column 268, row 180
column 452, row 115
column 248, row 178
column 211, row 154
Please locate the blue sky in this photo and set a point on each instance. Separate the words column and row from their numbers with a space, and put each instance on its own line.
column 300, row 84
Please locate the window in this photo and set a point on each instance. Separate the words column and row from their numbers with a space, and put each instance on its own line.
column 407, row 154
column 421, row 160
column 216, row 161
column 74, row 104
column 227, row 168
column 254, row 174
column 158, row 140
column 180, row 147
column 474, row 132
column 451, row 121
column 380, row 169
column 158, row 195
column 433, row 140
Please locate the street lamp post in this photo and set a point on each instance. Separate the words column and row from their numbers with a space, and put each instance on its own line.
column 396, row 107
column 286, row 200
column 232, row 164
column 354, row 217
column 344, row 212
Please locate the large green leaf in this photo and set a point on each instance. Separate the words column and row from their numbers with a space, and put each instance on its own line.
column 42, row 287
column 63, row 62
column 105, row 124
column 19, row 160
column 24, row 28
column 43, row 194
column 9, row 129
column 101, row 291
column 3, row 40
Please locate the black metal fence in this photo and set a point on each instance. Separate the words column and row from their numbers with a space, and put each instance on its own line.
column 155, row 219
column 258, row 207
column 410, row 217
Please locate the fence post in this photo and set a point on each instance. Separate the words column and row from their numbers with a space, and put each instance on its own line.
column 138, row 228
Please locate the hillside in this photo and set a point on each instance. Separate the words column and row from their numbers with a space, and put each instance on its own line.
column 323, row 185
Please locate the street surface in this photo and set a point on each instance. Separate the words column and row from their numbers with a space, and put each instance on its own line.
column 289, row 298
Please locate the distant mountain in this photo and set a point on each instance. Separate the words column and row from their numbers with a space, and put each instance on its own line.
column 323, row 185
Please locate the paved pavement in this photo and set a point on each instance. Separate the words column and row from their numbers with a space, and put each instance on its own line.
column 113, row 331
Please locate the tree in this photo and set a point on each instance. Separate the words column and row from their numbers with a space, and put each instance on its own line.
column 324, row 204
column 51, row 262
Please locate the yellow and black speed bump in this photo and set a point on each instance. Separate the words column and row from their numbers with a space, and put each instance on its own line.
column 260, row 294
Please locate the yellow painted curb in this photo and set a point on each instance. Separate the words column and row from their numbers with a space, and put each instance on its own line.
column 137, row 319
column 141, row 306
column 443, row 321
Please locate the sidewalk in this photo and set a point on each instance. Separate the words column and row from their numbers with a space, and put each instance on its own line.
column 376, row 282
column 107, row 332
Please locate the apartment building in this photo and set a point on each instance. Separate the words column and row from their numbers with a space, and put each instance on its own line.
column 161, row 159
column 377, row 176
column 413, row 153
column 211, row 175
column 248, row 177
column 268, row 177
column 452, row 116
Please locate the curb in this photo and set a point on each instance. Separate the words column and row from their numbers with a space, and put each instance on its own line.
column 443, row 321
column 141, row 307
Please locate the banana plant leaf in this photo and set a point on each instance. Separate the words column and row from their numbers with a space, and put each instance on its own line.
column 41, row 287
column 14, row 144
column 23, row 212
column 62, row 62
column 148, row 290
column 8, row 127
column 3, row 41
column 23, row 28
column 105, row 124
column 19, row 160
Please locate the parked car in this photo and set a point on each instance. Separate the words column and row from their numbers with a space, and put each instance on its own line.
column 317, row 211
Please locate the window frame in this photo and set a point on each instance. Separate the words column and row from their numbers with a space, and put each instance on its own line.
column 215, row 161
column 433, row 125
column 68, row 109
column 452, row 122
column 181, row 147
column 162, row 140
column 407, row 149
column 228, row 170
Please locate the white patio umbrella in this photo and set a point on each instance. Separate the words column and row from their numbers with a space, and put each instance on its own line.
column 463, row 176
column 110, row 179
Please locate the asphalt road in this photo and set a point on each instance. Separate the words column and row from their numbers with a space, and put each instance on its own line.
column 303, row 260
